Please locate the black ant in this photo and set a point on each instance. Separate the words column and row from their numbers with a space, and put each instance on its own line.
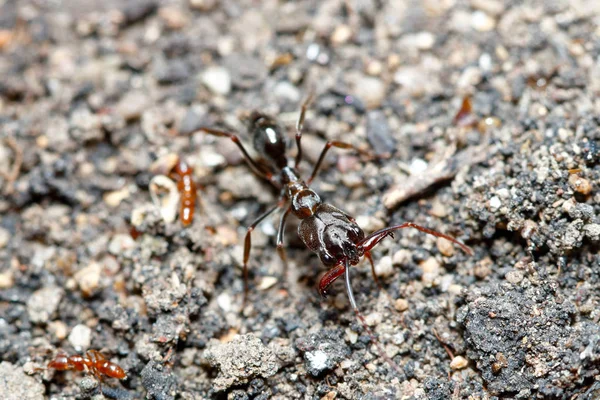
column 324, row 229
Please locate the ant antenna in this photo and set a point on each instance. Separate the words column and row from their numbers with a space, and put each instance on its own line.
column 362, row 320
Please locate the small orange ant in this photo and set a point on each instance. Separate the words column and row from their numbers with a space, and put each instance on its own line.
column 93, row 362
column 187, row 189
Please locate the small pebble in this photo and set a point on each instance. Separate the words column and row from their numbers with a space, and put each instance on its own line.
column 401, row 257
column 483, row 268
column 592, row 231
column 373, row 319
column 329, row 396
column 224, row 301
column 5, row 38
column 529, row 228
column 514, row 276
column 580, row 185
column 401, row 305
column 58, row 329
column 445, row 247
column 493, row 7
column 495, row 203
column 285, row 91
column 317, row 361
column 120, row 243
column 267, row 282
column 384, row 267
column 482, row 22
column 240, row 360
column 418, row 166
column 458, row 362
column 217, row 80
column 370, row 90
column 80, row 337
column 43, row 303
column 4, row 237
column 6, row 279
column 88, row 278
column 341, row 34
column 132, row 105
column 352, row 336
column 203, row 5
column 114, row 198
column 173, row 17
column 430, row 269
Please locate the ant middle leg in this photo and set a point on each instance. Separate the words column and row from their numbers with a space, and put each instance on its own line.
column 248, row 245
column 280, row 248
column 299, row 126
column 235, row 139
column 329, row 145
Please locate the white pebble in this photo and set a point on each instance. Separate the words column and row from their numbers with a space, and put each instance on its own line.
column 224, row 301
column 482, row 22
column 217, row 80
column 418, row 166
column 80, row 337
column 384, row 267
column 495, row 203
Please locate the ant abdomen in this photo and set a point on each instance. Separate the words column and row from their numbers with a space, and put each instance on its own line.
column 268, row 139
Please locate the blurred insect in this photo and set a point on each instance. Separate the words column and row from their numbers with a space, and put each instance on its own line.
column 92, row 362
column 324, row 229
column 182, row 173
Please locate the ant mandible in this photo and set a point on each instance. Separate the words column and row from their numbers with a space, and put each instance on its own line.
column 93, row 362
column 326, row 230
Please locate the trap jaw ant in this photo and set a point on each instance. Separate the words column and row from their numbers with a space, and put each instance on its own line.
column 326, row 230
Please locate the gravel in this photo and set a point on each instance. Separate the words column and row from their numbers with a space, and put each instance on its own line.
column 93, row 94
column 240, row 360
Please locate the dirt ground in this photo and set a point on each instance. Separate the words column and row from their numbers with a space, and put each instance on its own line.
column 96, row 99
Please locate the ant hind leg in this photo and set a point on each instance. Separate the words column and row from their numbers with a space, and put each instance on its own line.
column 248, row 245
column 235, row 139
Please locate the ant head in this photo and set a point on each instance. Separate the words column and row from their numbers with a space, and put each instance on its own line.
column 340, row 244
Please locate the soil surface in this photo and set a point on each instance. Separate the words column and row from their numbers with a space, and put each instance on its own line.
column 481, row 119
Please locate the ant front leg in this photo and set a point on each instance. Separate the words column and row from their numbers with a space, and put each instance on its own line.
column 235, row 139
column 363, row 321
column 299, row 126
column 374, row 238
column 330, row 277
column 248, row 245
column 329, row 145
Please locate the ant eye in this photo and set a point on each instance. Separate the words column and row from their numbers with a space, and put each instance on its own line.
column 327, row 259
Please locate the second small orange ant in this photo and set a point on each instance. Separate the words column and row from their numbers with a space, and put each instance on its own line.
column 93, row 362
